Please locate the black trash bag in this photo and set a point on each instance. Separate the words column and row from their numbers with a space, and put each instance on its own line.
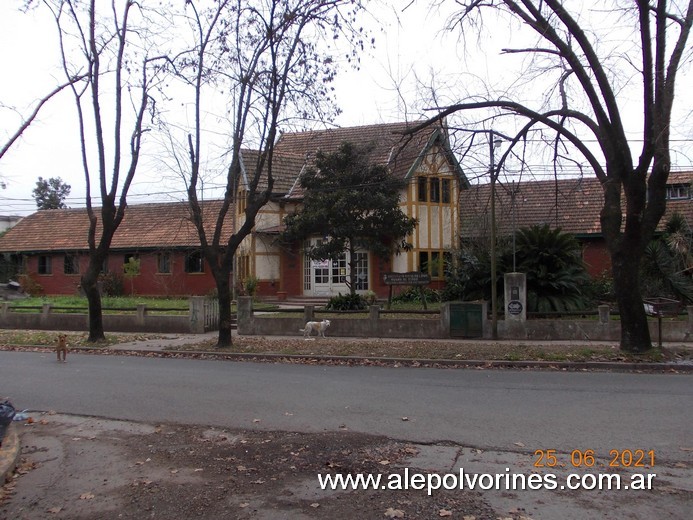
column 6, row 415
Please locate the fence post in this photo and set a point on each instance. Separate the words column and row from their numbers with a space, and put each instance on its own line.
column 308, row 313
column 197, row 314
column 373, row 319
column 5, row 309
column 244, row 318
column 45, row 313
column 603, row 314
column 689, row 310
column 445, row 320
column 141, row 313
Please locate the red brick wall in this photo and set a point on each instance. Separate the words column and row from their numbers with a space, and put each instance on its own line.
column 378, row 267
column 291, row 271
column 148, row 283
column 596, row 257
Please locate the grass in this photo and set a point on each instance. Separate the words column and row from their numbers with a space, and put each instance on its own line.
column 79, row 304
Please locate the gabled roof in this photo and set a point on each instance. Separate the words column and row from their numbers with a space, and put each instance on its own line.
column 389, row 146
column 145, row 226
column 574, row 205
column 285, row 168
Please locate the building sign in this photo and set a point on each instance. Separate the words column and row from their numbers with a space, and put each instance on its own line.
column 515, row 308
column 411, row 278
column 320, row 264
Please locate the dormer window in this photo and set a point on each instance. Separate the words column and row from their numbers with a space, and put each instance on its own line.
column 678, row 191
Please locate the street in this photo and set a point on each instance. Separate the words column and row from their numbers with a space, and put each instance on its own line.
column 499, row 409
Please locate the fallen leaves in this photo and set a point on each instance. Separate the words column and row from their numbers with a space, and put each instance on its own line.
column 394, row 513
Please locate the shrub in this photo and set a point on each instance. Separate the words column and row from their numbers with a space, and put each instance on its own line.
column 29, row 285
column 347, row 302
column 250, row 285
column 371, row 298
column 111, row 284
column 601, row 288
column 413, row 295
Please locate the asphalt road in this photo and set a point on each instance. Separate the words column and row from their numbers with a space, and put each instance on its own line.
column 505, row 410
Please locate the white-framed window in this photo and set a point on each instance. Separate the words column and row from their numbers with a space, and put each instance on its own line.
column 678, row 191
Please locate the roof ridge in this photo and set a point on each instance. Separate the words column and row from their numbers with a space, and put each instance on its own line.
column 355, row 127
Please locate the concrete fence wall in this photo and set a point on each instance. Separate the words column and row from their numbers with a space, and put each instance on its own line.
column 252, row 324
column 196, row 321
column 602, row 329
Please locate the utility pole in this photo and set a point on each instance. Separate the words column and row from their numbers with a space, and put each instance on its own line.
column 493, row 143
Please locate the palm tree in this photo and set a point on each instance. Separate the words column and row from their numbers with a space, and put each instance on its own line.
column 555, row 272
column 550, row 258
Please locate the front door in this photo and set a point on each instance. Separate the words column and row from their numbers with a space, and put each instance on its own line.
column 329, row 277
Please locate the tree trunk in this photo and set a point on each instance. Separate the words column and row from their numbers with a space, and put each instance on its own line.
column 635, row 333
column 352, row 269
column 222, row 278
column 90, row 287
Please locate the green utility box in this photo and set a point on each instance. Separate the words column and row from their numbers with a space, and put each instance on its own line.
column 466, row 319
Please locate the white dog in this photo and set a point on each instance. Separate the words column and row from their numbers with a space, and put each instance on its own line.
column 319, row 326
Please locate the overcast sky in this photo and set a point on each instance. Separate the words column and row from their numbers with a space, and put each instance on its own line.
column 411, row 49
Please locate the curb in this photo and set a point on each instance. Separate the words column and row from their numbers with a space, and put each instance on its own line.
column 453, row 363
column 9, row 453
column 415, row 362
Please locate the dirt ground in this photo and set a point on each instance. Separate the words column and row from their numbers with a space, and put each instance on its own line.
column 86, row 468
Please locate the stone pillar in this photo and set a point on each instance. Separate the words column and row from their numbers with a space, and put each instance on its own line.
column 308, row 313
column 45, row 314
column 515, row 297
column 603, row 314
column 141, row 313
column 245, row 315
column 197, row 314
column 373, row 320
column 445, row 320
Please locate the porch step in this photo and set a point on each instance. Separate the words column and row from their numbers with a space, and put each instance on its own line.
column 300, row 301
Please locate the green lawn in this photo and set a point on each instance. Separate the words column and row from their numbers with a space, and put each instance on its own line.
column 111, row 304
column 78, row 304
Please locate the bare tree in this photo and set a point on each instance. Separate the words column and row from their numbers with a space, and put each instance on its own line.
column 586, row 104
column 265, row 55
column 108, row 51
column 26, row 123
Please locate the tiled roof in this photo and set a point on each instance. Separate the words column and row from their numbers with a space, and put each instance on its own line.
column 389, row 144
column 161, row 226
column 573, row 205
column 285, row 168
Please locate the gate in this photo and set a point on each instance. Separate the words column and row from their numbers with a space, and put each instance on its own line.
column 211, row 314
column 466, row 320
